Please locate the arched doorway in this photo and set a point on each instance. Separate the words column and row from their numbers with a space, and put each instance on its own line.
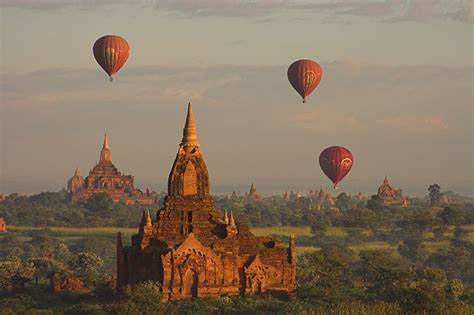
column 257, row 286
column 191, row 281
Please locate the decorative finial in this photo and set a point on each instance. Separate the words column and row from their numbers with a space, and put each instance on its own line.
column 148, row 218
column 232, row 220
column 76, row 171
column 105, row 153
column 106, row 142
column 189, row 131
column 226, row 218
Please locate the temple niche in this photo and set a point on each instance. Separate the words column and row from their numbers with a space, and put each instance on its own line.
column 106, row 178
column 391, row 196
column 193, row 250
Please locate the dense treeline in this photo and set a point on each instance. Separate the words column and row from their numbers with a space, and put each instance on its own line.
column 56, row 209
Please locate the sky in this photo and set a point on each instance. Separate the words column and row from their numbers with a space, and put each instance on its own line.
column 397, row 90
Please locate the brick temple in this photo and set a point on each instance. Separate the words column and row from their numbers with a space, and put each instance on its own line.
column 193, row 250
column 391, row 196
column 106, row 178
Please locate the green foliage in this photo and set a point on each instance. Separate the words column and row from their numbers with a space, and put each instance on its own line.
column 55, row 209
column 435, row 194
column 15, row 273
column 451, row 216
column 343, row 202
column 87, row 265
column 99, row 203
column 88, row 262
column 142, row 298
column 375, row 203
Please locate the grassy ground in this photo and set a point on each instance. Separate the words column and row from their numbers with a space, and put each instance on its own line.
column 70, row 233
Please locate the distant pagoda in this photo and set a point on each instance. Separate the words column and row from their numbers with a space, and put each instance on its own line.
column 391, row 196
column 253, row 195
column 105, row 178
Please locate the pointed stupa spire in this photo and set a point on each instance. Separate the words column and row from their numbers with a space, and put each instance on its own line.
column 148, row 218
column 76, row 171
column 253, row 190
column 385, row 181
column 231, row 219
column 105, row 153
column 226, row 218
column 106, row 142
column 189, row 130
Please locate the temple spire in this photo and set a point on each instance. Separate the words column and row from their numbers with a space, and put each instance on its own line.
column 148, row 218
column 385, row 181
column 105, row 153
column 226, row 218
column 231, row 219
column 106, row 143
column 76, row 171
column 189, row 131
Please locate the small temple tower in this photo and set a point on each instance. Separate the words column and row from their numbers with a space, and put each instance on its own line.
column 76, row 182
column 195, row 251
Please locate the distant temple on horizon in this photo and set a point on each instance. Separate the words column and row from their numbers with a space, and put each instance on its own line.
column 195, row 251
column 391, row 196
column 106, row 178
column 322, row 199
column 253, row 195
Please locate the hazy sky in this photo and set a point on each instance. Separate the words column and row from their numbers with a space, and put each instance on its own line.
column 397, row 90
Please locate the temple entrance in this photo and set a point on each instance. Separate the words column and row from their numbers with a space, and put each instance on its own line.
column 257, row 288
column 191, row 283
column 256, row 285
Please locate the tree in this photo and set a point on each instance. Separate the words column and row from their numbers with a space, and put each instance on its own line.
column 99, row 202
column 435, row 194
column 375, row 203
column 87, row 264
column 88, row 261
column 142, row 298
column 451, row 216
column 412, row 248
column 320, row 223
column 44, row 266
column 14, row 274
column 343, row 201
column 385, row 276
column 438, row 232
column 322, row 275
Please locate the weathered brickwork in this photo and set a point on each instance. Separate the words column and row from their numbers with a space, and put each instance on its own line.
column 192, row 250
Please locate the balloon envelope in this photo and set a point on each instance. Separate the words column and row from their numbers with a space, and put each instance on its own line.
column 304, row 75
column 111, row 52
column 336, row 162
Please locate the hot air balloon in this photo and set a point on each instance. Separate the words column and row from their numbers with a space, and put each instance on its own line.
column 336, row 162
column 111, row 53
column 305, row 75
